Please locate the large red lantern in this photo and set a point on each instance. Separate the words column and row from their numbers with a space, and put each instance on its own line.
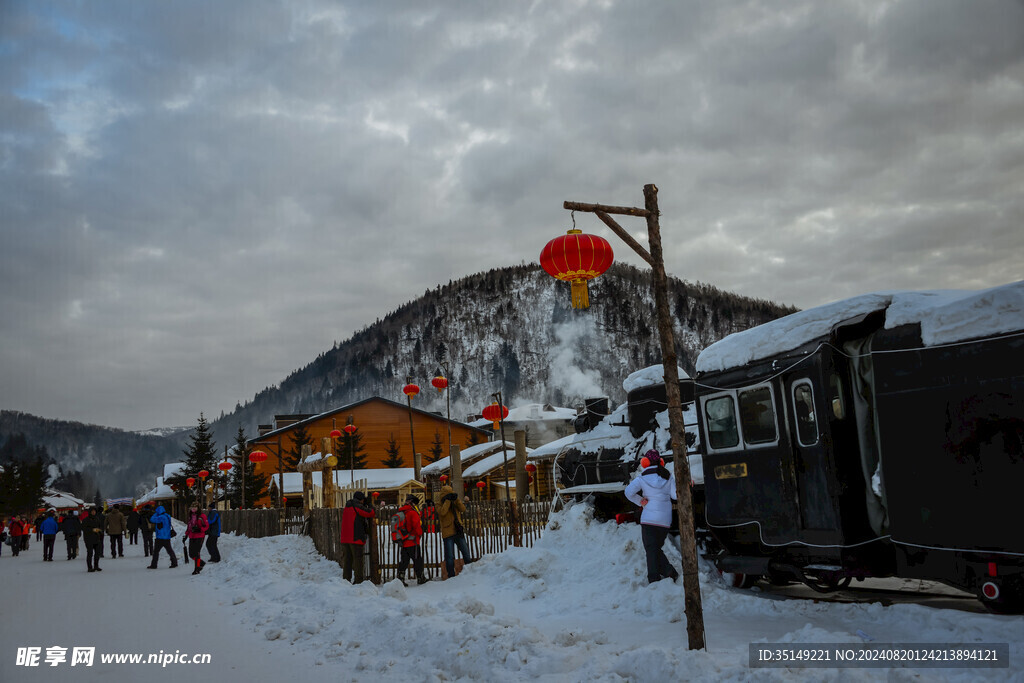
column 257, row 456
column 203, row 474
column 576, row 258
column 440, row 383
column 530, row 467
column 350, row 429
column 191, row 481
column 224, row 466
column 495, row 413
column 335, row 434
column 411, row 390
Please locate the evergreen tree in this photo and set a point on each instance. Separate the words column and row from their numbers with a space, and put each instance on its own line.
column 393, row 459
column 201, row 454
column 292, row 458
column 352, row 444
column 22, row 485
column 255, row 484
column 436, row 449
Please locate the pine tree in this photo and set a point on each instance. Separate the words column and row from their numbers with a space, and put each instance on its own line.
column 200, row 455
column 292, row 458
column 436, row 449
column 255, row 484
column 352, row 444
column 393, row 459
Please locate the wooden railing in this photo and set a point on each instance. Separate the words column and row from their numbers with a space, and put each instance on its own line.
column 260, row 523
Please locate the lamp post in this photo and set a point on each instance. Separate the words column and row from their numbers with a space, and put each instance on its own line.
column 691, row 579
column 411, row 390
column 448, row 397
column 350, row 431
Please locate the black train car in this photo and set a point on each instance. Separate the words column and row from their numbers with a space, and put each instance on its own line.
column 838, row 444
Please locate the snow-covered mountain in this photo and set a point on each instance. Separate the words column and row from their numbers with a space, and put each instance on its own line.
column 509, row 329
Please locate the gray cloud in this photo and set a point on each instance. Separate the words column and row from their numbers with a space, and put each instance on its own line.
column 198, row 198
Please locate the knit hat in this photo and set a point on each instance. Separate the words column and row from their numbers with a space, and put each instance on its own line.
column 359, row 495
column 411, row 499
column 652, row 458
column 212, row 505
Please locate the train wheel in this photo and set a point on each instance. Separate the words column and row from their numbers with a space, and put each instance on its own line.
column 735, row 580
column 828, row 584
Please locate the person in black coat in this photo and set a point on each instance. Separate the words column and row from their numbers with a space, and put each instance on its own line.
column 72, row 528
column 133, row 526
column 213, row 533
column 92, row 534
column 146, row 527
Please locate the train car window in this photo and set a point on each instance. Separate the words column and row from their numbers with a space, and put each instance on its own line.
column 835, row 396
column 721, row 422
column 803, row 406
column 757, row 416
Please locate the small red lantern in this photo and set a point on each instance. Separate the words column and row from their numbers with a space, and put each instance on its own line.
column 444, row 478
column 480, row 484
column 335, row 434
column 224, row 466
column 191, row 481
column 495, row 413
column 411, row 390
column 257, row 456
column 531, row 468
column 440, row 383
column 203, row 474
column 376, row 494
column 285, row 500
column 576, row 258
column 350, row 429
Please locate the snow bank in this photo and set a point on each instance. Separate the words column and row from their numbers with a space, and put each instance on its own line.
column 654, row 374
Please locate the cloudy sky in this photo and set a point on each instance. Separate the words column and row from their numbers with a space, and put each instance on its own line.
column 197, row 198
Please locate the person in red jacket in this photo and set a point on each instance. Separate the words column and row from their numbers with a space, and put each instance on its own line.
column 195, row 530
column 354, row 519
column 411, row 545
column 14, row 530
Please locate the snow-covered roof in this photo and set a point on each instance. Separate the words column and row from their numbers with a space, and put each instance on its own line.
column 173, row 469
column 484, row 465
column 531, row 412
column 52, row 498
column 945, row 316
column 376, row 478
column 655, row 374
column 467, row 456
column 551, row 448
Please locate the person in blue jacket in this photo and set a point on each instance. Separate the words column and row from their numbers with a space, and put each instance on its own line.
column 213, row 533
column 654, row 490
column 162, row 526
column 49, row 527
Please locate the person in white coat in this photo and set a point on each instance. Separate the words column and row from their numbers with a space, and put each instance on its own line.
column 654, row 490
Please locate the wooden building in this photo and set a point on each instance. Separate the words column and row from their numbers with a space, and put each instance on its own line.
column 377, row 421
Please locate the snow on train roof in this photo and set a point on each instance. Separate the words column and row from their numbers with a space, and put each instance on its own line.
column 945, row 316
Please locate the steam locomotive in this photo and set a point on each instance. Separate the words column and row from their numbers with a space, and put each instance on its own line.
column 873, row 437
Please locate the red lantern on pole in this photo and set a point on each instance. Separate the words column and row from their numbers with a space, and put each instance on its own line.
column 530, row 467
column 224, row 466
column 335, row 434
column 495, row 413
column 440, row 383
column 350, row 429
column 577, row 258
column 257, row 456
column 480, row 485
column 411, row 390
column 203, row 474
column 444, row 478
column 376, row 494
column 191, row 481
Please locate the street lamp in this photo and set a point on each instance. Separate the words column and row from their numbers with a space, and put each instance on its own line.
column 411, row 390
column 350, row 431
column 659, row 281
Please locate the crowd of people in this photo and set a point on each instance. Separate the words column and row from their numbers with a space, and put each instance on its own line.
column 408, row 526
column 97, row 529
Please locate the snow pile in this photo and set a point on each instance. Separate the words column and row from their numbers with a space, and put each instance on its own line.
column 654, row 374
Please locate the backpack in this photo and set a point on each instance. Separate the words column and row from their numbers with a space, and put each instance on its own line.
column 399, row 533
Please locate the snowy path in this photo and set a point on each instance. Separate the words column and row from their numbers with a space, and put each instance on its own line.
column 576, row 607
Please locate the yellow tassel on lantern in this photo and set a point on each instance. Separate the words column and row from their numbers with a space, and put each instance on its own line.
column 579, row 294
column 496, row 424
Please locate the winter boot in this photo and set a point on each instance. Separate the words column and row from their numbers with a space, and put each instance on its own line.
column 420, row 580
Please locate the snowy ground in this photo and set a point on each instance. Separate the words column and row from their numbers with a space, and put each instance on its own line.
column 575, row 607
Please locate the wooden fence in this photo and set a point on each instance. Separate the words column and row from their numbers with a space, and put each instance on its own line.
column 260, row 523
column 491, row 527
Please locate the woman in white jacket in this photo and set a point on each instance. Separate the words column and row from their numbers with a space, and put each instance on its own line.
column 654, row 490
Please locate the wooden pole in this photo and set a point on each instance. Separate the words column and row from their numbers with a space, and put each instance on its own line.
column 455, row 460
column 307, row 481
column 522, row 476
column 684, row 503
